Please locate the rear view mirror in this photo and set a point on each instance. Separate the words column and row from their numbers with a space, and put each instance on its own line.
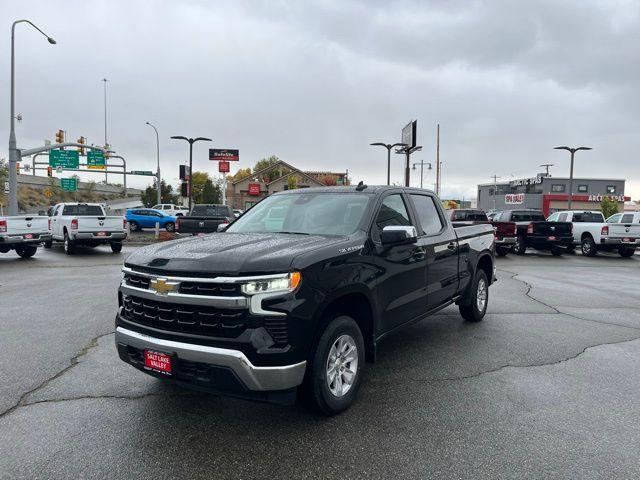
column 398, row 235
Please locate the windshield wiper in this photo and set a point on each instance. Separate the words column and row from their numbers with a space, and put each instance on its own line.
column 294, row 233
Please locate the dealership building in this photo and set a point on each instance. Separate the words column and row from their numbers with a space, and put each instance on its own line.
column 550, row 194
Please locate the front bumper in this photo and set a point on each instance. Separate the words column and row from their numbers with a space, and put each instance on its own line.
column 634, row 243
column 250, row 378
column 110, row 237
column 19, row 239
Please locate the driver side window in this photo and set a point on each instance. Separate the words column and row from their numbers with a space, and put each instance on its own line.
column 393, row 212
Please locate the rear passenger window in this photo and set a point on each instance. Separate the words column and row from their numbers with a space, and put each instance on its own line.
column 627, row 218
column 430, row 220
column 563, row 217
column 392, row 212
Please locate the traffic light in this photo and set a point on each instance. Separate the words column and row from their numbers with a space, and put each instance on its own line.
column 18, row 168
column 49, row 172
column 83, row 141
column 106, row 151
column 60, row 136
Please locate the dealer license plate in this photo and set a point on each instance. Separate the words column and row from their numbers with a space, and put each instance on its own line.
column 28, row 235
column 552, row 238
column 626, row 240
column 102, row 234
column 159, row 362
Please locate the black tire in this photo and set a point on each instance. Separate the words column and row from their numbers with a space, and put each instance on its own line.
column 133, row 226
column 556, row 251
column 116, row 247
column 170, row 226
column 26, row 251
column 48, row 244
column 68, row 244
column 473, row 312
column 588, row 247
column 320, row 394
column 520, row 248
column 626, row 252
column 502, row 251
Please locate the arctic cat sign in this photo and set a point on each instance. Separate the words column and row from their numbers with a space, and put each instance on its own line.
column 599, row 198
column 526, row 181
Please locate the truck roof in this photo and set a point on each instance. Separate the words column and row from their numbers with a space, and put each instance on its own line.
column 371, row 189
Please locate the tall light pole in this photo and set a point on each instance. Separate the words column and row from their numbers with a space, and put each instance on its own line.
column 573, row 152
column 191, row 142
column 106, row 143
column 495, row 189
column 13, row 145
column 388, row 146
column 422, row 163
column 158, row 186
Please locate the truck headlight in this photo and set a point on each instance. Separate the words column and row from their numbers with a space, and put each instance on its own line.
column 286, row 283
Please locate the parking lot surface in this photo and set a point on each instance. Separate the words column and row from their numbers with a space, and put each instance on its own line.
column 545, row 387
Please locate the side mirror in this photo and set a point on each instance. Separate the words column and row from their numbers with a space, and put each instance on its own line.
column 396, row 235
column 222, row 227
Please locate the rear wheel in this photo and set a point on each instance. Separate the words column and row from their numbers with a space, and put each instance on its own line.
column 336, row 366
column 116, row 247
column 133, row 226
column 48, row 244
column 68, row 244
column 170, row 226
column 556, row 251
column 475, row 311
column 26, row 251
column 626, row 252
column 588, row 247
column 520, row 248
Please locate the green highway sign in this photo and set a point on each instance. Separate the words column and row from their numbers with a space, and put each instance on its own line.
column 69, row 184
column 142, row 172
column 95, row 160
column 64, row 158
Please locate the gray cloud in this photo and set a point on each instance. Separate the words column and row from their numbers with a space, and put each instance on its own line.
column 316, row 82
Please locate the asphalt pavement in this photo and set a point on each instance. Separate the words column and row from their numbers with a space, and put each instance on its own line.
column 545, row 387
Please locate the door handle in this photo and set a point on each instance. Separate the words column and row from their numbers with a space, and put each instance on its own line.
column 451, row 246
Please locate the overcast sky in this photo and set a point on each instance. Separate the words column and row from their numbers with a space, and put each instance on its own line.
column 316, row 82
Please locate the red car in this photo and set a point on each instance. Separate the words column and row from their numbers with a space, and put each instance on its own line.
column 505, row 232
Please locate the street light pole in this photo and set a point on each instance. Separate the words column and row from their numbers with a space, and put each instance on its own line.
column 13, row 145
column 191, row 142
column 106, row 144
column 158, row 186
column 573, row 152
column 422, row 163
column 388, row 146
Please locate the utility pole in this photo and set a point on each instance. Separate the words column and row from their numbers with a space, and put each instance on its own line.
column 495, row 189
column 191, row 142
column 547, row 165
column 438, row 160
column 106, row 143
column 14, row 154
column 573, row 152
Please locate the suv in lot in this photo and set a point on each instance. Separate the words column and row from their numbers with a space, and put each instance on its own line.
column 593, row 234
column 140, row 218
column 533, row 230
column 172, row 209
column 299, row 299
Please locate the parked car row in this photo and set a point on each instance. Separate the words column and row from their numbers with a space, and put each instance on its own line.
column 518, row 230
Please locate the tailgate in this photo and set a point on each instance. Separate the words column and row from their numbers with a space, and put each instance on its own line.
column 622, row 230
column 505, row 229
column 557, row 229
column 100, row 224
column 25, row 224
column 200, row 225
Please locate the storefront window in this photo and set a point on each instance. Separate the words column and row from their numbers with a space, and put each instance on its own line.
column 583, row 188
column 557, row 188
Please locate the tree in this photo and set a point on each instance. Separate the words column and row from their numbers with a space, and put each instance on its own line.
column 266, row 162
column 211, row 193
column 239, row 175
column 292, row 182
column 150, row 196
column 609, row 207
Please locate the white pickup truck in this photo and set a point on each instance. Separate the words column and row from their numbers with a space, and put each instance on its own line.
column 593, row 234
column 23, row 234
column 86, row 224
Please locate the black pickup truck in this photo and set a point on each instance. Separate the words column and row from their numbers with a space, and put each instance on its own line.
column 298, row 301
column 204, row 218
column 534, row 231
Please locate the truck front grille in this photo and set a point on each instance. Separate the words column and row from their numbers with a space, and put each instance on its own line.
column 189, row 288
column 201, row 320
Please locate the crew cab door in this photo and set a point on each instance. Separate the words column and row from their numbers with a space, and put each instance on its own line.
column 440, row 242
column 56, row 224
column 401, row 290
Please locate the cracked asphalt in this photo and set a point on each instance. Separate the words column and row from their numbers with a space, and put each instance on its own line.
column 547, row 386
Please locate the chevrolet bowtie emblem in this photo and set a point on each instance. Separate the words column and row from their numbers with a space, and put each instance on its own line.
column 162, row 287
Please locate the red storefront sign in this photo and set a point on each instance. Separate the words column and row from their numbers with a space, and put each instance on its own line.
column 254, row 189
column 223, row 167
column 548, row 198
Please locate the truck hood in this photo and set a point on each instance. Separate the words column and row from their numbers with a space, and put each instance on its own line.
column 228, row 253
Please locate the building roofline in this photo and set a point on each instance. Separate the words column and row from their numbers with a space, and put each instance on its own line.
column 299, row 172
column 266, row 169
column 575, row 179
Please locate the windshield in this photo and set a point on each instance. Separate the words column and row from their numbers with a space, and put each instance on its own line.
column 308, row 213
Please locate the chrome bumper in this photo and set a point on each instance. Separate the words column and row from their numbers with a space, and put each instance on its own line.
column 618, row 241
column 254, row 378
column 19, row 239
column 93, row 236
column 506, row 241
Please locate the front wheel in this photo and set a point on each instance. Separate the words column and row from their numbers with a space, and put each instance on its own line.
column 68, row 245
column 133, row 227
column 26, row 251
column 625, row 252
column 170, row 226
column 116, row 247
column 336, row 366
column 588, row 247
column 520, row 248
column 475, row 311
